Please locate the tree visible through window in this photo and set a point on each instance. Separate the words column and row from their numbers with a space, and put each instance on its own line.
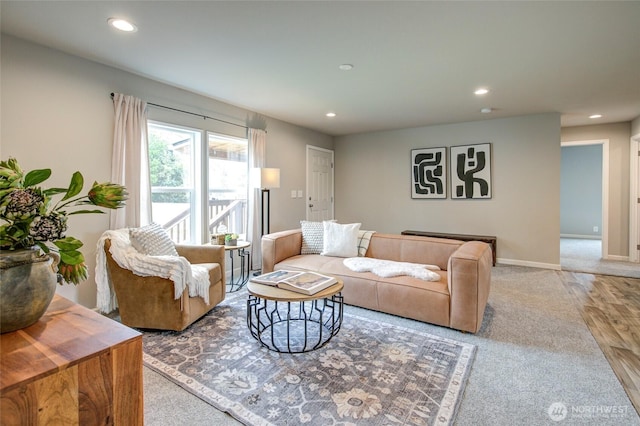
column 165, row 170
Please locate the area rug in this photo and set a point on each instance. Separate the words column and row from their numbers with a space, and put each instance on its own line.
column 370, row 373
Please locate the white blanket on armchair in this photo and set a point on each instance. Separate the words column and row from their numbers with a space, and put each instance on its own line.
column 390, row 268
column 176, row 268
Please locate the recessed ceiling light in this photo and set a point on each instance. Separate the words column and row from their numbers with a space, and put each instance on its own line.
column 331, row 114
column 345, row 67
column 481, row 91
column 486, row 110
column 596, row 116
column 122, row 25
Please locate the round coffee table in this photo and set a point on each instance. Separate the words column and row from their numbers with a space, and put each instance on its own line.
column 290, row 322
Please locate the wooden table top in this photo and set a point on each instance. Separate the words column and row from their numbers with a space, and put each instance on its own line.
column 66, row 335
column 278, row 294
column 239, row 245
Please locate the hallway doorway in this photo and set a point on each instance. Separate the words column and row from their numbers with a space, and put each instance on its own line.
column 584, row 198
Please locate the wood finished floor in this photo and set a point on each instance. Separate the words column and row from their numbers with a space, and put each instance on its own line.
column 611, row 308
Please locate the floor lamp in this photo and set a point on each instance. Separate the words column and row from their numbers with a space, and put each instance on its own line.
column 269, row 179
column 265, row 179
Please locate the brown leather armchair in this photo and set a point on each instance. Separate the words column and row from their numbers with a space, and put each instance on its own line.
column 149, row 302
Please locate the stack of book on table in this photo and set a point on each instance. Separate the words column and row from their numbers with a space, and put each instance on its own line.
column 305, row 282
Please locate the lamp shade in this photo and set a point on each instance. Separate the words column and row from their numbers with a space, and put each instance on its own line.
column 266, row 178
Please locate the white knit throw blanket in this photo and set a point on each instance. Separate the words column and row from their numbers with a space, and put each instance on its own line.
column 176, row 268
column 390, row 268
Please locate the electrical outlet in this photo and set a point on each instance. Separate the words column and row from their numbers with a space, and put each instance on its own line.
column 595, row 229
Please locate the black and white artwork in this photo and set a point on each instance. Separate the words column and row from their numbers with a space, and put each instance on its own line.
column 429, row 174
column 471, row 171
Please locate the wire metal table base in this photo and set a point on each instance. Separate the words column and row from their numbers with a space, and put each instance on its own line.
column 236, row 283
column 294, row 327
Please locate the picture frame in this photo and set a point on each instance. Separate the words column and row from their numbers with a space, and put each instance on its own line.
column 429, row 173
column 470, row 167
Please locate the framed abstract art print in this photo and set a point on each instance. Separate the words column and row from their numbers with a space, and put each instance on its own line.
column 429, row 173
column 470, row 171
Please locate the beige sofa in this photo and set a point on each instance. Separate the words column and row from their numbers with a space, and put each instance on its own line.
column 457, row 300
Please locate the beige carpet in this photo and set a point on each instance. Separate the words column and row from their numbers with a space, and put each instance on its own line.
column 585, row 255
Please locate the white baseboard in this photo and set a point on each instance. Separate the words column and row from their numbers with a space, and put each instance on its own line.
column 581, row 237
column 555, row 267
column 616, row 257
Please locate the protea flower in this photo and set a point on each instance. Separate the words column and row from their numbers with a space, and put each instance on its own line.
column 48, row 228
column 21, row 204
column 10, row 174
column 72, row 273
column 108, row 195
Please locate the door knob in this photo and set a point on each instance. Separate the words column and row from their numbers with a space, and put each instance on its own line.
column 310, row 205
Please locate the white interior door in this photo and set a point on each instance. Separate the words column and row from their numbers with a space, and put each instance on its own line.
column 319, row 197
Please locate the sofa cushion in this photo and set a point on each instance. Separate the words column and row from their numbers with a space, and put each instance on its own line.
column 340, row 239
column 424, row 300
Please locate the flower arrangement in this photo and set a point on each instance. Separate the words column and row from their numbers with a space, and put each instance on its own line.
column 29, row 218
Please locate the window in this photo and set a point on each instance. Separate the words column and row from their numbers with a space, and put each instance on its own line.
column 228, row 184
column 192, row 198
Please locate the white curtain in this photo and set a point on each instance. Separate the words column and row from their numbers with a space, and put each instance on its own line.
column 130, row 161
column 257, row 148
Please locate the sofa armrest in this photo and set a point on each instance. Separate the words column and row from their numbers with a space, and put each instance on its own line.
column 202, row 253
column 469, row 276
column 279, row 246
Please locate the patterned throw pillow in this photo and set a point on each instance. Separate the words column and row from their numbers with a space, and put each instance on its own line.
column 152, row 240
column 364, row 238
column 312, row 237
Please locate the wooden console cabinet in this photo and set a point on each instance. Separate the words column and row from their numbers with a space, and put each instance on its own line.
column 73, row 367
column 489, row 239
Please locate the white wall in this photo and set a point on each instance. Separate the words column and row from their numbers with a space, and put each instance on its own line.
column 373, row 185
column 56, row 113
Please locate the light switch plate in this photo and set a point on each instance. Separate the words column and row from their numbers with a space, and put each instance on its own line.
column 299, row 193
column 293, row 193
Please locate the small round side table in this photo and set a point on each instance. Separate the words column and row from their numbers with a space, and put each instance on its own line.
column 236, row 283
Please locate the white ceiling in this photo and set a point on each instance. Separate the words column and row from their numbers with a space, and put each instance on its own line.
column 416, row 63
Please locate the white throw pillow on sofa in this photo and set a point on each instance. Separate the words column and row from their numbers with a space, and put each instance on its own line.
column 340, row 240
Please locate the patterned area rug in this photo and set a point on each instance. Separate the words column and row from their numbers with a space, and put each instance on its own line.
column 370, row 373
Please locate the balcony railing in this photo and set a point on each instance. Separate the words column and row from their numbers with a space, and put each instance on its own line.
column 230, row 213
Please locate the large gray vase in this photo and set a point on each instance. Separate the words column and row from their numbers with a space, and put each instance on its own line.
column 27, row 285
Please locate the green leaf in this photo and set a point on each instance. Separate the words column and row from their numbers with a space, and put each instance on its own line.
column 71, row 257
column 43, row 246
column 67, row 244
column 77, row 182
column 54, row 191
column 35, row 177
